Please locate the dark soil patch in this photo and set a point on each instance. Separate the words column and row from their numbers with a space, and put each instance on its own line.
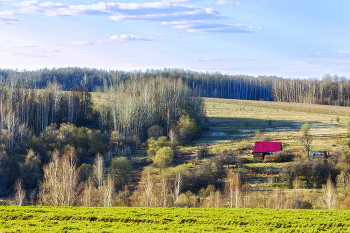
column 182, row 157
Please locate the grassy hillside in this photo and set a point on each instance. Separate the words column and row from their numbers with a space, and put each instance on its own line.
column 231, row 120
column 68, row 219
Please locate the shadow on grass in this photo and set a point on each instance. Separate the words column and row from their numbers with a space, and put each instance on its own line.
column 227, row 129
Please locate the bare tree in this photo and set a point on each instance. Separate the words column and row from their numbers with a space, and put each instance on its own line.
column 98, row 170
column 177, row 187
column 50, row 188
column 147, row 189
column 107, row 192
column 330, row 195
column 296, row 185
column 233, row 189
column 164, row 191
column 306, row 137
column 20, row 193
column 60, row 184
column 70, row 176
column 88, row 194
column 217, row 199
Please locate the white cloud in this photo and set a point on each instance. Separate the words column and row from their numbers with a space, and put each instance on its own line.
column 224, row 2
column 30, row 50
column 152, row 11
column 222, row 59
column 190, row 14
column 22, row 45
column 339, row 54
column 178, row 16
column 210, row 59
column 8, row 20
column 124, row 38
column 208, row 27
column 25, row 3
column 176, row 1
column 7, row 13
column 80, row 43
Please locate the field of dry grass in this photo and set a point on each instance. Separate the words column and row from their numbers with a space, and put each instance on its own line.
column 230, row 121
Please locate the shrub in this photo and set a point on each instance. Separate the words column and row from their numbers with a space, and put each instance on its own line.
column 164, row 157
column 187, row 199
column 245, row 145
column 279, row 157
column 337, row 119
column 154, row 145
column 202, row 152
column 312, row 171
column 120, row 169
column 186, row 130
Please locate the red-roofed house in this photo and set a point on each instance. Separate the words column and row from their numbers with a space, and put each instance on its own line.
column 266, row 148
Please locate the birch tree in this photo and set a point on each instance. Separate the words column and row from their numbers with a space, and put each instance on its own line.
column 233, row 189
column 20, row 193
column 330, row 195
column 177, row 187
column 98, row 170
column 60, row 184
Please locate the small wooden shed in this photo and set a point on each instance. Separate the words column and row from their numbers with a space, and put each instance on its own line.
column 266, row 148
column 318, row 154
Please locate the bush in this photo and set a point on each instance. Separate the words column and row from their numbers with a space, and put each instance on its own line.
column 85, row 171
column 120, row 169
column 232, row 158
column 202, row 152
column 155, row 145
column 186, row 200
column 164, row 157
column 312, row 171
column 279, row 157
column 245, row 145
column 186, row 130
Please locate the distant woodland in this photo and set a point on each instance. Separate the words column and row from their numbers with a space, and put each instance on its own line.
column 331, row 90
column 58, row 147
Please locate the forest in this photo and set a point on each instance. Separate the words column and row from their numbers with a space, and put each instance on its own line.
column 59, row 147
column 329, row 89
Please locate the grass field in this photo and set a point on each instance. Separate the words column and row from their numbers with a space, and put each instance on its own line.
column 233, row 120
column 121, row 219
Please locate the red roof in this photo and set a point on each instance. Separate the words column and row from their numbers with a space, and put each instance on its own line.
column 267, row 146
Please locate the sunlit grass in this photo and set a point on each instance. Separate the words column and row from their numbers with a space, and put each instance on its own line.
column 121, row 219
column 230, row 121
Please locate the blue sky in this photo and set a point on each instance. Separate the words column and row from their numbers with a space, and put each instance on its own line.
column 289, row 38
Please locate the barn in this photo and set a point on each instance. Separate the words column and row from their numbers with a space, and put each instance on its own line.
column 266, row 148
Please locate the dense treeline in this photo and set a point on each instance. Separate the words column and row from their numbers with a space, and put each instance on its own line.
column 331, row 90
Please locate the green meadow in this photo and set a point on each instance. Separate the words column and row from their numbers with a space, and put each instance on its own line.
column 121, row 219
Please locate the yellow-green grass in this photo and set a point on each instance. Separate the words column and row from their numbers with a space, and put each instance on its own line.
column 121, row 219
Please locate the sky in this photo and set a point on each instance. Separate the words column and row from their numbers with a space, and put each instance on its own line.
column 286, row 38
